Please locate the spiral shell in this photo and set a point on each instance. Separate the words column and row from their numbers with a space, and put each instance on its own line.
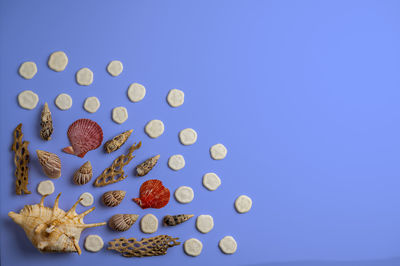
column 122, row 222
column 46, row 123
column 50, row 163
column 83, row 174
column 113, row 198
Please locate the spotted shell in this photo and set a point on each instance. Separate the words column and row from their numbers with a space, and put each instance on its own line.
column 113, row 198
column 50, row 162
column 122, row 222
column 83, row 174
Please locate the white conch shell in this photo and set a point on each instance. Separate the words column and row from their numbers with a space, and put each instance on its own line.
column 53, row 229
column 50, row 162
column 83, row 174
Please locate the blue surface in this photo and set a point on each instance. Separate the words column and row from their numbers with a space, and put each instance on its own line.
column 304, row 94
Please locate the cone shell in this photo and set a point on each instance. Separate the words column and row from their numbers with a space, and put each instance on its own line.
column 83, row 174
column 116, row 142
column 145, row 167
column 122, row 222
column 113, row 198
column 46, row 123
column 50, row 163
column 172, row 220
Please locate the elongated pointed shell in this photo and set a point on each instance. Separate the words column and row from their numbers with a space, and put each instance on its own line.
column 83, row 174
column 113, row 198
column 46, row 123
column 116, row 143
column 50, row 163
column 172, row 220
column 52, row 229
column 122, row 222
column 145, row 167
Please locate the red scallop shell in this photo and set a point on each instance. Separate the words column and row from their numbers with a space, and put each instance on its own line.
column 153, row 195
column 84, row 135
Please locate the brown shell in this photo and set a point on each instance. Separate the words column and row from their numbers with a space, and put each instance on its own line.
column 50, row 163
column 46, row 123
column 21, row 161
column 116, row 143
column 172, row 220
column 145, row 167
column 113, row 198
column 122, row 222
column 83, row 174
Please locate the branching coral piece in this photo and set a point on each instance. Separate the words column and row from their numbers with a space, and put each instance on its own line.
column 21, row 161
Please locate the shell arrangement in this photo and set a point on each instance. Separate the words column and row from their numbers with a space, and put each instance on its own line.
column 50, row 162
column 113, row 198
column 53, row 229
column 122, row 222
column 84, row 174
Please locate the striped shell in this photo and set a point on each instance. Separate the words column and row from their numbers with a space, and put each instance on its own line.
column 83, row 174
column 50, row 163
column 172, row 220
column 122, row 222
column 113, row 198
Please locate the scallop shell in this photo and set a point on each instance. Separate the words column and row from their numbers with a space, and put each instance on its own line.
column 83, row 174
column 113, row 198
column 152, row 194
column 50, row 163
column 52, row 229
column 122, row 222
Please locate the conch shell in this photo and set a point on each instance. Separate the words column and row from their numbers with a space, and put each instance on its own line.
column 52, row 229
column 113, row 198
column 122, row 222
column 46, row 123
column 83, row 174
column 50, row 163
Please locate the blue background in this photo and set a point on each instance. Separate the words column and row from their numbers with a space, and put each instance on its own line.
column 304, row 94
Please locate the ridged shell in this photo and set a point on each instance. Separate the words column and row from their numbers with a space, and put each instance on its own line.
column 50, row 162
column 116, row 142
column 113, row 198
column 46, row 123
column 83, row 174
column 122, row 222
column 152, row 194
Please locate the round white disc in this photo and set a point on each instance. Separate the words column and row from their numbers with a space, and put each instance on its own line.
column 243, row 204
column 58, row 61
column 84, row 76
column 184, row 194
column 218, row 152
column 154, row 128
column 176, row 162
column 136, row 92
column 91, row 104
column 28, row 70
column 93, row 243
column 193, row 247
column 204, row 223
column 188, row 136
column 63, row 101
column 87, row 199
column 211, row 181
column 149, row 224
column 119, row 114
column 45, row 187
column 28, row 99
column 114, row 68
column 175, row 98
column 228, row 245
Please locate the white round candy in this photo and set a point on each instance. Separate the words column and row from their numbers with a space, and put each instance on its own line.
column 114, row 68
column 91, row 104
column 93, row 243
column 136, row 92
column 28, row 99
column 87, row 199
column 63, row 101
column 58, row 61
column 228, row 245
column 154, row 128
column 184, row 194
column 176, row 162
column 204, row 223
column 243, row 204
column 45, row 187
column 84, row 76
column 188, row 136
column 218, row 152
column 175, row 98
column 28, row 70
column 193, row 247
column 149, row 224
column 211, row 181
column 119, row 114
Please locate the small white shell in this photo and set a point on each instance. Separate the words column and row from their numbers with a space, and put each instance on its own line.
column 87, row 199
column 149, row 224
column 45, row 187
column 94, row 243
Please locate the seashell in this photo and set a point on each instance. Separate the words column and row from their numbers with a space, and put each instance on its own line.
column 172, row 220
column 117, row 141
column 52, row 229
column 21, row 161
column 113, row 198
column 83, row 174
column 152, row 195
column 145, row 167
column 50, row 163
column 122, row 222
column 46, row 123
column 84, row 135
